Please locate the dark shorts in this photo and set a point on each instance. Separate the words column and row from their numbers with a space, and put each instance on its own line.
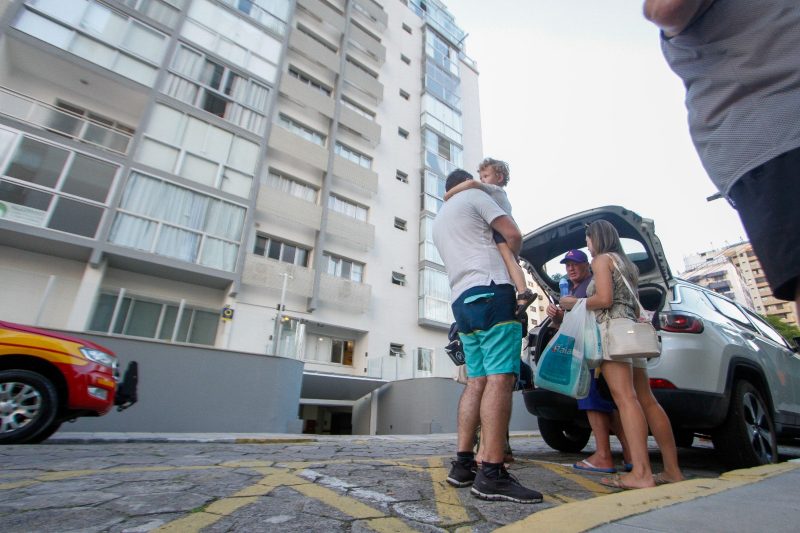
column 594, row 401
column 768, row 201
column 490, row 333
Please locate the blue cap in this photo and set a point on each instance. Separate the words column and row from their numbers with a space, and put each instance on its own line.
column 575, row 255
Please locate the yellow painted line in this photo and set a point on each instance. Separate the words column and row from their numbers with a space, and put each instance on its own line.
column 345, row 504
column 587, row 514
column 567, row 472
column 389, row 525
column 274, row 441
column 189, row 524
column 448, row 504
column 247, row 464
column 18, row 484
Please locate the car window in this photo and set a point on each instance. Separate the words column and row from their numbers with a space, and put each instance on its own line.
column 633, row 249
column 694, row 301
column 767, row 330
column 730, row 310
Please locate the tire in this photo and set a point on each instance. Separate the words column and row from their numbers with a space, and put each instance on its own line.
column 683, row 438
column 564, row 436
column 28, row 405
column 45, row 434
column 747, row 438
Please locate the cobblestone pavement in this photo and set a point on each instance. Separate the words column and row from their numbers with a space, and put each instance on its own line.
column 329, row 484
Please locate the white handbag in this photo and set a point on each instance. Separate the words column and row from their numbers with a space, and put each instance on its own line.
column 625, row 338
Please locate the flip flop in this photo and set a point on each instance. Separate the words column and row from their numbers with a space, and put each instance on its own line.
column 586, row 466
column 615, row 483
column 626, row 467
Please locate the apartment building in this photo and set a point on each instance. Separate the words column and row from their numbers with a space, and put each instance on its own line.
column 258, row 175
column 736, row 272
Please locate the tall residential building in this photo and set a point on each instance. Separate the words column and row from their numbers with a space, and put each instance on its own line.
column 165, row 162
column 736, row 272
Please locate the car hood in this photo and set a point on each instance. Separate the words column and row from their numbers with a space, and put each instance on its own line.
column 543, row 248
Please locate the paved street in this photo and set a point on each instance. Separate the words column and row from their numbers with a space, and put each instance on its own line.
column 327, row 484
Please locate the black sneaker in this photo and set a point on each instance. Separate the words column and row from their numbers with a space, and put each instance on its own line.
column 461, row 475
column 504, row 488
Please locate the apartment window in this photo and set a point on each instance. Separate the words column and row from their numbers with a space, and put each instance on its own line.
column 404, row 94
column 291, row 187
column 433, row 192
column 401, row 176
column 91, row 127
column 347, row 208
column 324, row 349
column 405, row 59
column 396, row 350
column 281, row 251
column 424, row 360
column 98, row 34
column 399, row 279
column 407, row 28
column 343, row 268
column 213, row 87
column 154, row 319
column 402, row 133
column 47, row 186
column 302, row 130
column 358, row 109
column 308, row 80
column 270, row 13
column 434, row 296
column 353, row 155
column 164, row 11
column 399, row 223
column 165, row 219
column 441, row 84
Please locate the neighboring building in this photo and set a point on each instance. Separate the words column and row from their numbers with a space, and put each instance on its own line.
column 735, row 272
column 167, row 161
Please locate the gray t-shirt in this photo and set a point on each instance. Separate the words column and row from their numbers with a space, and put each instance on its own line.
column 463, row 236
column 740, row 63
column 498, row 194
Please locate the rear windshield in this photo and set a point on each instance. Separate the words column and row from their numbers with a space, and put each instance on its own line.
column 633, row 248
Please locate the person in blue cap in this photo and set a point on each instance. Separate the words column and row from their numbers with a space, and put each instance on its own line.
column 601, row 412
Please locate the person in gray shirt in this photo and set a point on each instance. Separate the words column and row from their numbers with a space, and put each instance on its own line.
column 740, row 63
column 483, row 300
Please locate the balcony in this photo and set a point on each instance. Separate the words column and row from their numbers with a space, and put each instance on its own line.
column 289, row 208
column 269, row 273
column 368, row 44
column 344, row 293
column 298, row 148
column 363, row 81
column 322, row 11
column 355, row 232
column 372, row 11
column 307, row 96
column 354, row 174
column 51, row 118
column 311, row 49
column 369, row 129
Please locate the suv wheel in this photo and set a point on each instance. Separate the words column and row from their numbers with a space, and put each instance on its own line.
column 564, row 436
column 747, row 438
column 28, row 405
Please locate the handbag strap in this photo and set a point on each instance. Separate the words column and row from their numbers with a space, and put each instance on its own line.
column 627, row 283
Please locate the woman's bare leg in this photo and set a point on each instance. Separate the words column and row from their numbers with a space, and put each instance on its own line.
column 659, row 423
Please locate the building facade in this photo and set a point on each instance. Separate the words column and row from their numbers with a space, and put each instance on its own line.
column 735, row 272
column 259, row 176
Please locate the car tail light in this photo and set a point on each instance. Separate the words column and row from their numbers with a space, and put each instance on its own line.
column 658, row 383
column 680, row 322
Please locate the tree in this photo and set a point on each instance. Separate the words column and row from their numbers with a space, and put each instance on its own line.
column 788, row 331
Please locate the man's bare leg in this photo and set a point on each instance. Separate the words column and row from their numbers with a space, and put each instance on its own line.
column 469, row 409
column 495, row 411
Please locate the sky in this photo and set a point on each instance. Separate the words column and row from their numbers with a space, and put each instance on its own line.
column 577, row 97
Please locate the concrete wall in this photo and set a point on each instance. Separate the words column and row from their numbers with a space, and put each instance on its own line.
column 423, row 406
column 196, row 389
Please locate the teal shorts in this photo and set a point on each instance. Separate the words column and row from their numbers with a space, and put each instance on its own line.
column 491, row 335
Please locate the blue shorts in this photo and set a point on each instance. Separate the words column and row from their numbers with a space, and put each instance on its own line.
column 491, row 335
column 595, row 402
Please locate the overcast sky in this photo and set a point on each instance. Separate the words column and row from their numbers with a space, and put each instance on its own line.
column 577, row 97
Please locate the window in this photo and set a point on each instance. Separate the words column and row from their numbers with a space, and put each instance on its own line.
column 405, row 59
column 198, row 151
column 281, row 251
column 363, row 68
column 98, row 129
column 399, row 279
column 270, row 13
column 154, row 319
column 299, row 129
column 343, row 268
column 402, row 133
column 347, row 208
column 407, row 28
column 308, row 80
column 402, row 176
column 324, row 349
column 353, row 155
column 404, row 95
column 164, row 11
column 213, row 87
column 358, row 109
column 313, row 35
column 396, row 350
column 729, row 310
column 434, row 296
column 424, row 360
column 291, row 187
column 163, row 218
column 51, row 187
column 399, row 223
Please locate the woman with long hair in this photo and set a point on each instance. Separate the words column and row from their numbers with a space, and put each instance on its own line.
column 609, row 297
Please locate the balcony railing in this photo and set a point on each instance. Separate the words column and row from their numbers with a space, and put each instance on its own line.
column 355, row 232
column 354, row 174
column 51, row 118
column 344, row 293
column 269, row 273
column 290, row 208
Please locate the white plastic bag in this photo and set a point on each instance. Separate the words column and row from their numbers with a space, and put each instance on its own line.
column 592, row 340
column 562, row 367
